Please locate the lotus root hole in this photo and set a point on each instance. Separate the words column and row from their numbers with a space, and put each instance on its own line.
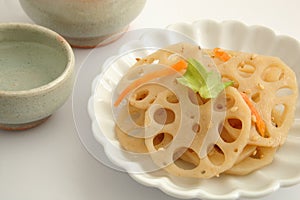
column 230, row 101
column 141, row 95
column 172, row 98
column 164, row 116
column 272, row 74
column 162, row 140
column 257, row 154
column 186, row 158
column 222, row 103
column 278, row 115
column 246, row 69
column 196, row 128
column 225, row 135
column 216, row 155
column 285, row 91
column 256, row 97
column 235, row 123
column 219, row 107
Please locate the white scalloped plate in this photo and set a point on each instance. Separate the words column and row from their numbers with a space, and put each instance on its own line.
column 285, row 169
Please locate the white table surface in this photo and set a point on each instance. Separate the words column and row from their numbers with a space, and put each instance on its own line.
column 49, row 162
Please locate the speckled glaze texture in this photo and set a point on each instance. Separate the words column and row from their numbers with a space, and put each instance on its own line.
column 85, row 23
column 22, row 109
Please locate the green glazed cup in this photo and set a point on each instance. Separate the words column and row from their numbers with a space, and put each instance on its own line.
column 36, row 74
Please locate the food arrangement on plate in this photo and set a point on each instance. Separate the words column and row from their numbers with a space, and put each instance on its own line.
column 197, row 123
column 204, row 117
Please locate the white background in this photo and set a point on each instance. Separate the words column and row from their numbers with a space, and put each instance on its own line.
column 50, row 163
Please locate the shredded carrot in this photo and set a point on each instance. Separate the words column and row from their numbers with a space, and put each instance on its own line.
column 177, row 67
column 260, row 124
column 219, row 53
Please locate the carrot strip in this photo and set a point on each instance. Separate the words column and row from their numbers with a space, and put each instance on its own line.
column 260, row 124
column 219, row 53
column 177, row 67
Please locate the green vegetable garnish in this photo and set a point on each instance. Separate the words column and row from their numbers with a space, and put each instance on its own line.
column 207, row 83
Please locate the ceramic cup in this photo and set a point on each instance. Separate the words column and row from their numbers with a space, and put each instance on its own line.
column 36, row 74
column 84, row 23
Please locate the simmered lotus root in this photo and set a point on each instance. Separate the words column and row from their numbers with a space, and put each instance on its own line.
column 273, row 91
column 136, row 111
column 210, row 157
column 183, row 127
column 259, row 158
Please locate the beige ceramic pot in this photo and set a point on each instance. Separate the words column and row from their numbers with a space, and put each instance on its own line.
column 36, row 74
column 84, row 23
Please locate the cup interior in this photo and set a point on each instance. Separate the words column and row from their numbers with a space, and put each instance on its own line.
column 30, row 57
